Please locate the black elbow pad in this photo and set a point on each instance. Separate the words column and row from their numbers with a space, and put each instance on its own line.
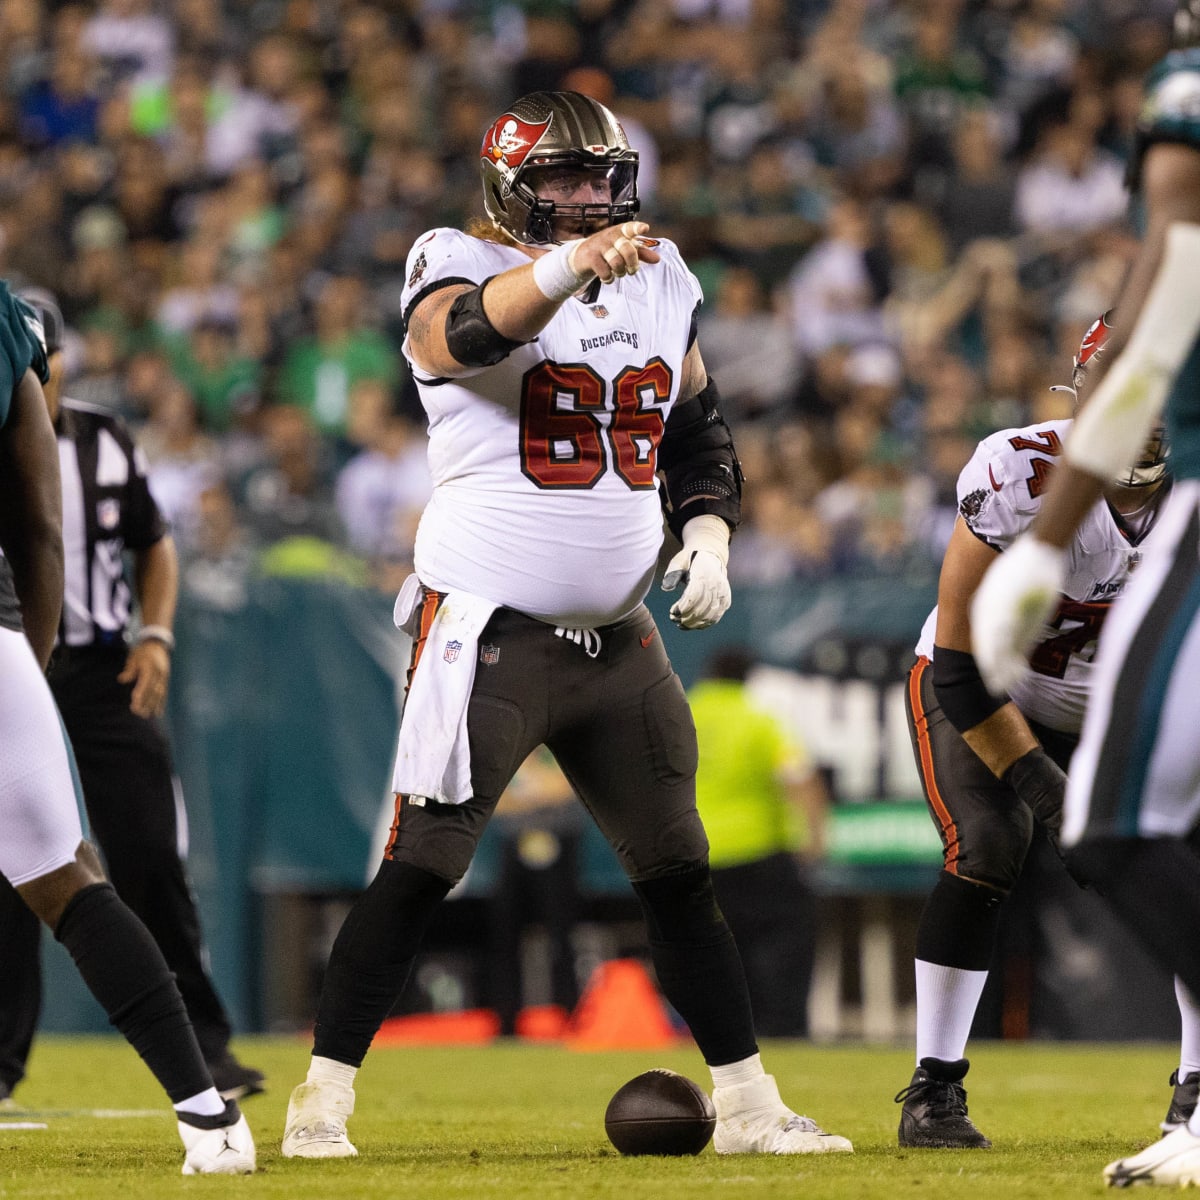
column 699, row 463
column 470, row 336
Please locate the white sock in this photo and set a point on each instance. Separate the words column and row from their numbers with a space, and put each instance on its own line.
column 731, row 1074
column 947, row 998
column 207, row 1103
column 1189, row 1039
column 327, row 1070
column 1193, row 1125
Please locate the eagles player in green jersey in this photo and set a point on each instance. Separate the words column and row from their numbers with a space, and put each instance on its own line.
column 1132, row 809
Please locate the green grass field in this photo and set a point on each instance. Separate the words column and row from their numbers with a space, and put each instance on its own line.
column 516, row 1120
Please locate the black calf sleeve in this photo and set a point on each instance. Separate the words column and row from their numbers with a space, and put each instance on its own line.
column 958, row 926
column 126, row 972
column 372, row 957
column 697, row 963
column 1153, row 885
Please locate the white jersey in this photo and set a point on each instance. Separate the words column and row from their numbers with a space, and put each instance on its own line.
column 999, row 492
column 545, row 498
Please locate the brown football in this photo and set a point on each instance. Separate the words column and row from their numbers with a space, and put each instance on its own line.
column 660, row 1112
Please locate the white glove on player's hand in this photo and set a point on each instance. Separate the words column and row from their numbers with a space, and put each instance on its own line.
column 707, row 597
column 1010, row 608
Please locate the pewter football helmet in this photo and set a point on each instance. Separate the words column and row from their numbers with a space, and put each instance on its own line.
column 547, row 129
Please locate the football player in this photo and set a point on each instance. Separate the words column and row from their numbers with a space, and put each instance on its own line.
column 1132, row 809
column 42, row 851
column 992, row 766
column 110, row 689
column 554, row 348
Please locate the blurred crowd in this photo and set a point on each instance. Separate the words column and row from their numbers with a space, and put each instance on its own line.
column 904, row 214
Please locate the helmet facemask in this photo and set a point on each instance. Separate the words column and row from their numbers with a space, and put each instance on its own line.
column 551, row 221
column 1151, row 466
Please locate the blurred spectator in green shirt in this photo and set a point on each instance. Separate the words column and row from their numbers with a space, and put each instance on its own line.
column 763, row 803
column 319, row 371
column 224, row 381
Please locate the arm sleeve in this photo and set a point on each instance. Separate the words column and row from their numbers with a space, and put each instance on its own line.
column 700, row 464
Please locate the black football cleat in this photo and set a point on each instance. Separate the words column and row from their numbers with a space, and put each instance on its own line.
column 1183, row 1101
column 934, row 1115
column 233, row 1080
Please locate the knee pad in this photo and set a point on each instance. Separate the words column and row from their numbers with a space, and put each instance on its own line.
column 682, row 907
column 439, row 839
column 997, row 849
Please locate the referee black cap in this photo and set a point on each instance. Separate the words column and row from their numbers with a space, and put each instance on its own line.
column 46, row 307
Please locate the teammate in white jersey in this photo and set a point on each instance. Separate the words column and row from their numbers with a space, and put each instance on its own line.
column 554, row 349
column 992, row 766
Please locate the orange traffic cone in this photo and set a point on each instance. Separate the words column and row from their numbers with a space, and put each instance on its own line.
column 620, row 1010
column 470, row 1026
column 543, row 1023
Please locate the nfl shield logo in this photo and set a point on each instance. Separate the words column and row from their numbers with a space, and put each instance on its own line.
column 450, row 654
column 108, row 514
column 489, row 655
column 598, row 310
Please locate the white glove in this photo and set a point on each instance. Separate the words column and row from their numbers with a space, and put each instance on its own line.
column 1010, row 608
column 700, row 565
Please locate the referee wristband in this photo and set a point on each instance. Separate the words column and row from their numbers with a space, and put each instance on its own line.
column 155, row 633
column 556, row 279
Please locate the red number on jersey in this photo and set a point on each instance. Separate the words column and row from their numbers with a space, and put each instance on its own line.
column 1085, row 618
column 561, row 431
column 637, row 426
column 1046, row 441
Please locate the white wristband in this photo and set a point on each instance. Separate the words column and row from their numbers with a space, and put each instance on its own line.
column 556, row 279
column 707, row 532
column 155, row 633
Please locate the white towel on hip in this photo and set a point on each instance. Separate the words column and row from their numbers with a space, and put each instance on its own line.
column 433, row 758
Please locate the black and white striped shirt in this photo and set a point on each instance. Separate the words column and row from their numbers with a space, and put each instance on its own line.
column 107, row 509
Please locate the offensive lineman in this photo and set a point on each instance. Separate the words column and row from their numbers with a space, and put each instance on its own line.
column 1132, row 810
column 554, row 350
column 991, row 766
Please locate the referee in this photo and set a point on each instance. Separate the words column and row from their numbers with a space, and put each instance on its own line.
column 111, row 691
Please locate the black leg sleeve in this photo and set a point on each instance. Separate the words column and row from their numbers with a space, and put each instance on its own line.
column 1153, row 885
column 372, row 958
column 20, row 984
column 959, row 924
column 127, row 974
column 697, row 963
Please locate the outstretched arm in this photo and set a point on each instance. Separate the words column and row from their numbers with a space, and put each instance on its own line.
column 1156, row 324
column 459, row 327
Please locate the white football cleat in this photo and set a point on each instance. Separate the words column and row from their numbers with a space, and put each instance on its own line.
column 316, row 1121
column 752, row 1119
column 1172, row 1161
column 217, row 1149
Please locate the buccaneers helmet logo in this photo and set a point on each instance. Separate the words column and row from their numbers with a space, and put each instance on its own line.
column 510, row 140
